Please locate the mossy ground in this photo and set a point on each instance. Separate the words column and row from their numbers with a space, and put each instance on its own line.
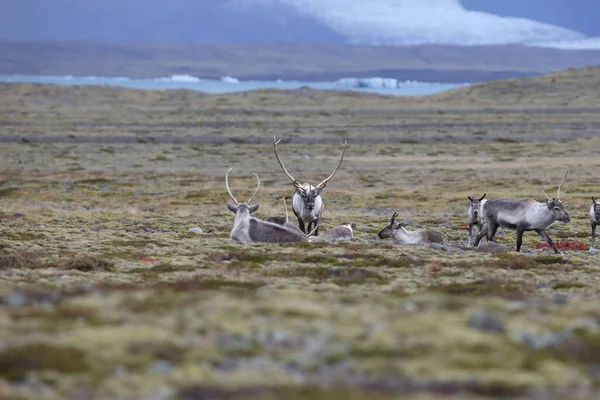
column 104, row 293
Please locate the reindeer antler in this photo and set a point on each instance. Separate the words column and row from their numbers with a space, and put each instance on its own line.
column 481, row 198
column 394, row 215
column 322, row 184
column 287, row 218
column 227, row 186
column 561, row 182
column 296, row 183
column 542, row 187
column 256, row 190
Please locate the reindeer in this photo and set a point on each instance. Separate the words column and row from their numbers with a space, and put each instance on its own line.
column 247, row 229
column 475, row 215
column 401, row 235
column 594, row 220
column 339, row 233
column 307, row 203
column 523, row 216
column 285, row 221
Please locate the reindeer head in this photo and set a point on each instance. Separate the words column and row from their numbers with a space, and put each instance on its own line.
column 475, row 205
column 391, row 229
column 556, row 205
column 596, row 205
column 308, row 192
column 241, row 208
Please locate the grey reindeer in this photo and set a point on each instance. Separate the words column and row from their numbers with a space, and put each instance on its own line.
column 339, row 233
column 307, row 203
column 248, row 229
column 475, row 217
column 594, row 221
column 285, row 221
column 523, row 216
column 401, row 235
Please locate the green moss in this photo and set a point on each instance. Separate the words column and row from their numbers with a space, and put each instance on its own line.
column 211, row 283
column 567, row 285
column 94, row 181
column 8, row 192
column 88, row 263
column 488, row 287
column 17, row 362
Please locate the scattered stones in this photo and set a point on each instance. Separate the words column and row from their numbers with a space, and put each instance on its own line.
column 491, row 248
column 195, row 230
column 446, row 248
column 487, row 321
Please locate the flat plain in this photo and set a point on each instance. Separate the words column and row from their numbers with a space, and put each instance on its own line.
column 106, row 293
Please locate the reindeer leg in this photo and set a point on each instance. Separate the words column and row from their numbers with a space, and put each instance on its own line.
column 491, row 230
column 479, row 236
column 519, row 238
column 471, row 234
column 592, row 245
column 545, row 236
column 316, row 223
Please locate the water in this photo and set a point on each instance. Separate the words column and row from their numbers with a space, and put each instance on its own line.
column 386, row 86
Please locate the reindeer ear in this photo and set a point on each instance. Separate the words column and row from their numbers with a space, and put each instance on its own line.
column 232, row 208
column 318, row 191
column 549, row 203
column 253, row 208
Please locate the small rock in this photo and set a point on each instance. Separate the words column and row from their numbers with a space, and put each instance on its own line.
column 491, row 248
column 97, row 228
column 436, row 246
column 593, row 251
column 160, row 367
column 195, row 230
column 487, row 321
column 17, row 299
column 18, row 215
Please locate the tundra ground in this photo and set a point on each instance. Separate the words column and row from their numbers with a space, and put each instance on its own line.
column 105, row 293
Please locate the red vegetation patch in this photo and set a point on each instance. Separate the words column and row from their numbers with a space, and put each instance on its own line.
column 564, row 245
column 148, row 259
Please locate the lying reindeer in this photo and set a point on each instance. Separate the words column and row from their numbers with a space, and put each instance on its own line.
column 475, row 215
column 307, row 203
column 524, row 215
column 339, row 233
column 401, row 235
column 247, row 229
column 594, row 220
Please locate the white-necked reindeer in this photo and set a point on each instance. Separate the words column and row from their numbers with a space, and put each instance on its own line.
column 475, row 215
column 594, row 220
column 307, row 203
column 523, row 216
column 339, row 233
column 247, row 229
column 401, row 235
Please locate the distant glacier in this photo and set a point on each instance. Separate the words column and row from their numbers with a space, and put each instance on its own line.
column 229, row 84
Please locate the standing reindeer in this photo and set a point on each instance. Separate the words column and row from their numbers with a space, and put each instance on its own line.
column 475, row 215
column 524, row 215
column 401, row 235
column 247, row 229
column 307, row 203
column 594, row 220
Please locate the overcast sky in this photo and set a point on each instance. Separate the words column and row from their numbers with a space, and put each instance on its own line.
column 338, row 21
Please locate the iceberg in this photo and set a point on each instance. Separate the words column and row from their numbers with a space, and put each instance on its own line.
column 229, row 79
column 374, row 82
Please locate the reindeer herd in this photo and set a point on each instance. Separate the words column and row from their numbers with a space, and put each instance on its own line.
column 487, row 214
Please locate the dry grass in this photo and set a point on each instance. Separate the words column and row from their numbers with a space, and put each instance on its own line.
column 105, row 293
